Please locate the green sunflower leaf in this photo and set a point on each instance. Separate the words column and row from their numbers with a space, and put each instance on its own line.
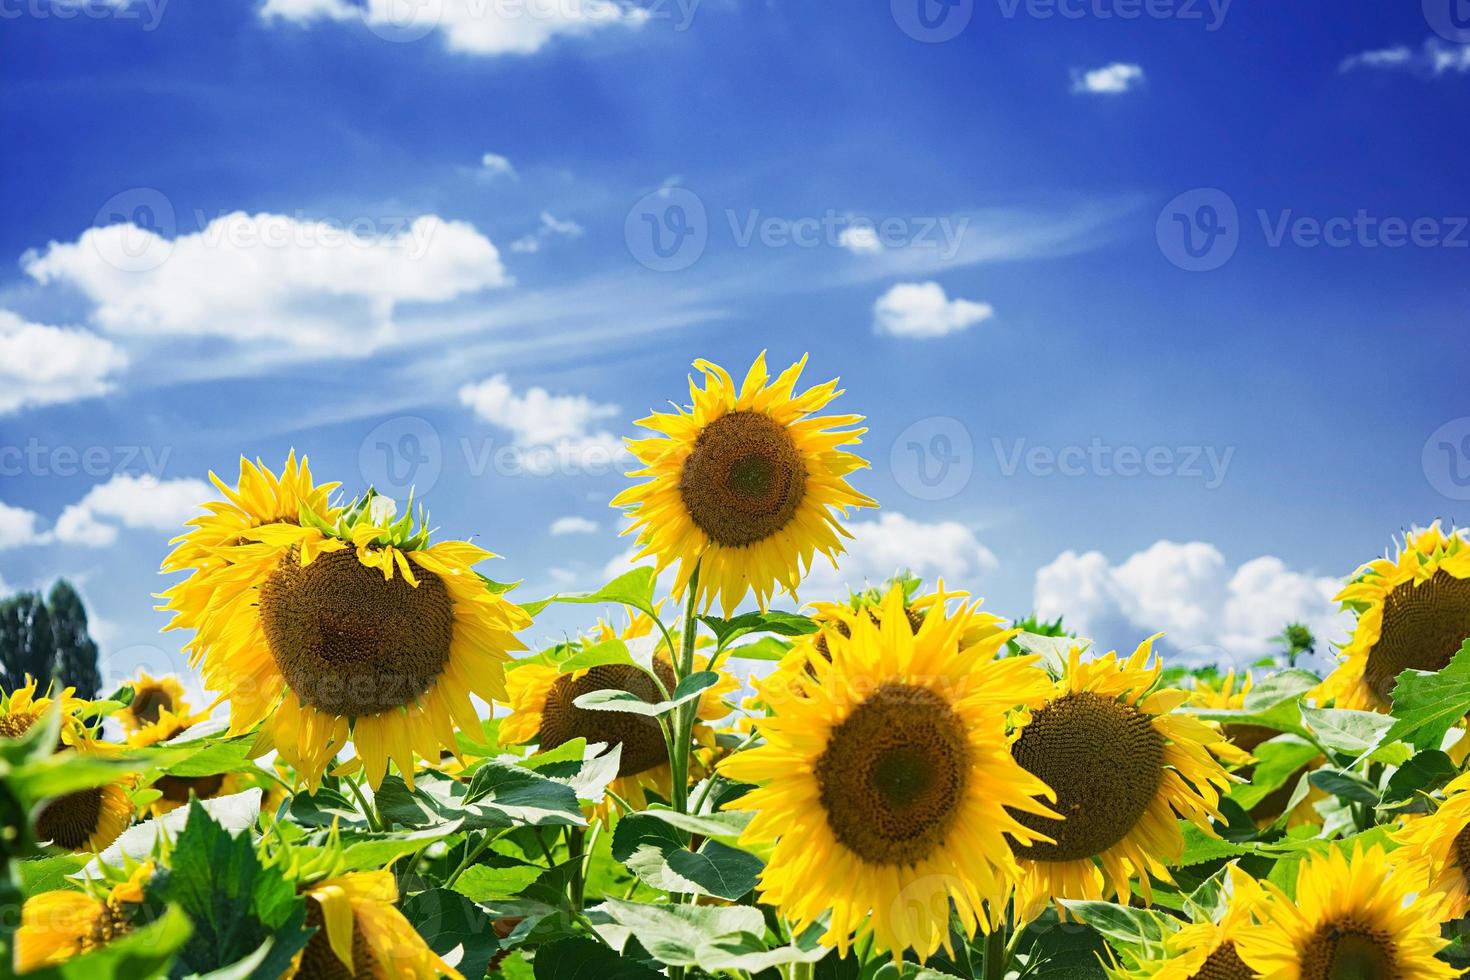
column 1424, row 773
column 587, row 959
column 658, row 853
column 1139, row 934
column 687, row 935
column 689, row 689
column 767, row 648
column 775, row 621
column 1347, row 731
column 1427, row 704
column 1344, row 785
column 455, row 928
column 633, row 588
column 498, row 796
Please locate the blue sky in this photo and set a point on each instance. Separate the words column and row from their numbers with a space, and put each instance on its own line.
column 978, row 226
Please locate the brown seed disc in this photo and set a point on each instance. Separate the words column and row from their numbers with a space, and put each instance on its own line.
column 915, row 618
column 16, row 725
column 350, row 642
column 894, row 774
column 176, row 789
column 1423, row 628
column 114, row 921
column 1224, row 964
column 69, row 821
column 641, row 740
column 1461, row 851
column 1103, row 759
column 744, row 479
column 149, row 703
column 1349, row 951
column 320, row 962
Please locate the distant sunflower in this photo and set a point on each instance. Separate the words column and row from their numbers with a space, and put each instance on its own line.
column 56, row 926
column 889, row 787
column 151, row 697
column 360, row 933
column 1206, row 950
column 178, row 790
column 1125, row 768
column 1413, row 613
column 1227, row 693
column 1435, row 849
column 358, row 630
column 1353, row 917
column 542, row 710
column 744, row 484
column 87, row 820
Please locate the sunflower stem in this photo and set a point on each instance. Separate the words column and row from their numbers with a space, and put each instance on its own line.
column 369, row 810
column 685, row 714
column 997, row 955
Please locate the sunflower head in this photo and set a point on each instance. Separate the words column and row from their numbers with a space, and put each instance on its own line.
column 888, row 786
column 744, row 484
column 1206, row 949
column 1125, row 767
column 88, row 819
column 1413, row 613
column 152, row 698
column 1436, row 849
column 23, row 707
column 361, row 933
column 56, row 926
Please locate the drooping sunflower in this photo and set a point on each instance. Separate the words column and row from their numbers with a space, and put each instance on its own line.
column 360, row 933
column 358, row 630
column 1205, row 950
column 745, row 484
column 1435, row 849
column 542, row 710
column 1125, row 768
column 177, row 790
column 56, row 926
column 88, row 819
column 151, row 697
column 1413, row 613
column 889, row 788
column 1353, row 916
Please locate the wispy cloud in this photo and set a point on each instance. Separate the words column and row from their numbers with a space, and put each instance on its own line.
column 1433, row 58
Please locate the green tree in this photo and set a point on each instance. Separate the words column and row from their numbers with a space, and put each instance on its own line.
column 76, row 651
column 1298, row 640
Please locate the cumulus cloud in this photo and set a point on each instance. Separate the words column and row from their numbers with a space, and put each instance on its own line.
column 17, row 527
column 573, row 525
column 921, row 309
column 322, row 286
column 493, row 165
column 1114, row 79
column 860, row 239
column 1207, row 610
column 473, row 27
column 1434, row 58
column 563, row 429
column 892, row 542
column 551, row 227
column 133, row 502
column 45, row 365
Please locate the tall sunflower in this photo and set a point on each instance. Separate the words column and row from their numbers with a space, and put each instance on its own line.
column 889, row 787
column 360, row 933
column 1205, row 950
column 151, row 697
column 542, row 710
column 56, row 926
column 1125, row 769
column 1353, row 917
column 1413, row 613
column 356, row 630
column 745, row 484
column 1435, row 849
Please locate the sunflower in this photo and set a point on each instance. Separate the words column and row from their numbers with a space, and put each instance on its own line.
column 21, row 708
column 1353, row 916
column 87, row 820
column 1125, row 768
column 1206, row 950
column 1413, row 613
column 359, row 630
column 889, row 788
column 743, row 485
column 542, row 709
column 58, row 925
column 151, row 697
column 1435, row 849
column 361, row 934
column 177, row 790
column 1228, row 693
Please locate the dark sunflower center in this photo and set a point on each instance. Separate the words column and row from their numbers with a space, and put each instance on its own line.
column 1103, row 759
column 1224, row 964
column 1248, row 737
column 320, row 962
column 70, row 821
column 1273, row 804
column 350, row 642
column 1347, row 951
column 1423, row 628
column 744, row 480
column 176, row 789
column 915, row 618
column 16, row 725
column 894, row 774
column 1461, row 851
column 149, row 703
column 640, row 737
column 113, row 922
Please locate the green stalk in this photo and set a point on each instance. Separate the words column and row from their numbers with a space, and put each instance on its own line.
column 684, row 714
column 997, row 955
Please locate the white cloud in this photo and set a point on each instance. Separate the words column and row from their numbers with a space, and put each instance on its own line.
column 551, row 227
column 130, row 501
column 470, row 26
column 493, row 165
column 1114, row 79
column 44, row 365
column 893, row 542
column 622, row 563
column 320, row 286
column 17, row 527
column 1435, row 58
column 860, row 239
column 921, row 309
column 573, row 525
column 1207, row 611
column 560, row 430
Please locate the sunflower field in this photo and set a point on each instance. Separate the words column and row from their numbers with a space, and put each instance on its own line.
column 718, row 779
